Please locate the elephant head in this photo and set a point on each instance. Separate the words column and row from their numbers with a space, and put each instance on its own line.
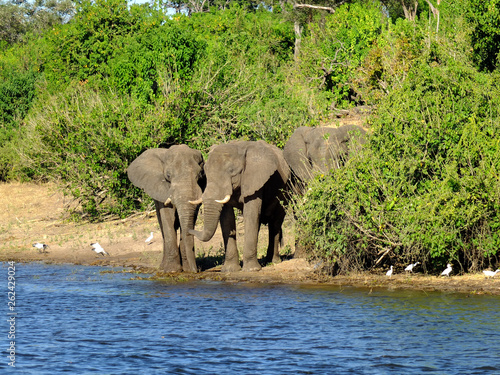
column 235, row 172
column 174, row 179
column 312, row 150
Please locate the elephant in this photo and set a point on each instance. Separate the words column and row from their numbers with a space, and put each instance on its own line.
column 318, row 150
column 250, row 176
column 174, row 178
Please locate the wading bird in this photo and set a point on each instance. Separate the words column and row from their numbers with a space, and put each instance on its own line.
column 410, row 267
column 98, row 249
column 149, row 239
column 41, row 247
column 447, row 271
column 490, row 273
column 389, row 273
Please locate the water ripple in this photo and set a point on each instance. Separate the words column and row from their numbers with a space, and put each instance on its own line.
column 74, row 319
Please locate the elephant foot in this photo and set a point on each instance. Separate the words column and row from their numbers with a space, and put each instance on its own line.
column 189, row 269
column 231, row 267
column 251, row 266
column 171, row 268
column 276, row 259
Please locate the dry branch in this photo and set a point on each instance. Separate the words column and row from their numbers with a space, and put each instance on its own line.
column 329, row 9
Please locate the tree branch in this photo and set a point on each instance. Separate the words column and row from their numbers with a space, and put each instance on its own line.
column 329, row 9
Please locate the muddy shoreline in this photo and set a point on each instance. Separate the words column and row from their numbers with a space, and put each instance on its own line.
column 296, row 271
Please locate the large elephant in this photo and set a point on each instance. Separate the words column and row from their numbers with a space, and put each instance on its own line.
column 318, row 150
column 250, row 176
column 174, row 178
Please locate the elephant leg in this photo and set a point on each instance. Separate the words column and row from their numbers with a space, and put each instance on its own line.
column 228, row 226
column 171, row 261
column 251, row 214
column 275, row 236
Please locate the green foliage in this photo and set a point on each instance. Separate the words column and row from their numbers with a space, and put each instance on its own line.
column 87, row 140
column 239, row 86
column 17, row 91
column 388, row 62
column 11, row 26
column 119, row 80
column 335, row 48
column 427, row 187
column 104, row 43
column 20, row 18
column 134, row 68
column 484, row 16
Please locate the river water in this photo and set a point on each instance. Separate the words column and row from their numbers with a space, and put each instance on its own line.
column 79, row 320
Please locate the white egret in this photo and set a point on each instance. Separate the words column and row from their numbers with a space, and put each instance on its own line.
column 41, row 247
column 410, row 267
column 447, row 271
column 490, row 273
column 389, row 273
column 149, row 239
column 98, row 249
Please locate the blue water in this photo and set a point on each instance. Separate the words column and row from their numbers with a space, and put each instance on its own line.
column 78, row 320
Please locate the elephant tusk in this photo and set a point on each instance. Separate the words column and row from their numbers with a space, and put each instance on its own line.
column 198, row 201
column 225, row 200
column 168, row 201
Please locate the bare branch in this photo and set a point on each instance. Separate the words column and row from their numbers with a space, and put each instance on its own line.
column 329, row 9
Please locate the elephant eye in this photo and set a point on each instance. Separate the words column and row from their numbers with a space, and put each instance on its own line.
column 167, row 176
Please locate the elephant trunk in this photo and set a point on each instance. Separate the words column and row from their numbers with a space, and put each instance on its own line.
column 211, row 215
column 187, row 214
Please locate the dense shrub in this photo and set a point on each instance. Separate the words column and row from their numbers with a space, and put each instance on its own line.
column 17, row 92
column 112, row 45
column 484, row 17
column 241, row 82
column 427, row 187
column 335, row 48
column 87, row 139
column 120, row 79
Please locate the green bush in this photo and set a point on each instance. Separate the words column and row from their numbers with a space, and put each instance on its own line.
column 240, row 85
column 17, row 92
column 484, row 17
column 388, row 62
column 86, row 140
column 336, row 48
column 111, row 45
column 426, row 188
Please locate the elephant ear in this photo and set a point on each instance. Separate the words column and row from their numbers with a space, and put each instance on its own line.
column 261, row 162
column 296, row 155
column 146, row 172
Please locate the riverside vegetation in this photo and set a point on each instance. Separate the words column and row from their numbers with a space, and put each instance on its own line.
column 85, row 87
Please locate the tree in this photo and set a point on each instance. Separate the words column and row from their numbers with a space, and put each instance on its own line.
column 19, row 17
column 12, row 26
column 484, row 16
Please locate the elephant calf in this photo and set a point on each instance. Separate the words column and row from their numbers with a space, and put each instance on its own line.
column 318, row 150
column 249, row 176
column 174, row 179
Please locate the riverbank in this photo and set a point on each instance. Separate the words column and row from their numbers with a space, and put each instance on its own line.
column 36, row 213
